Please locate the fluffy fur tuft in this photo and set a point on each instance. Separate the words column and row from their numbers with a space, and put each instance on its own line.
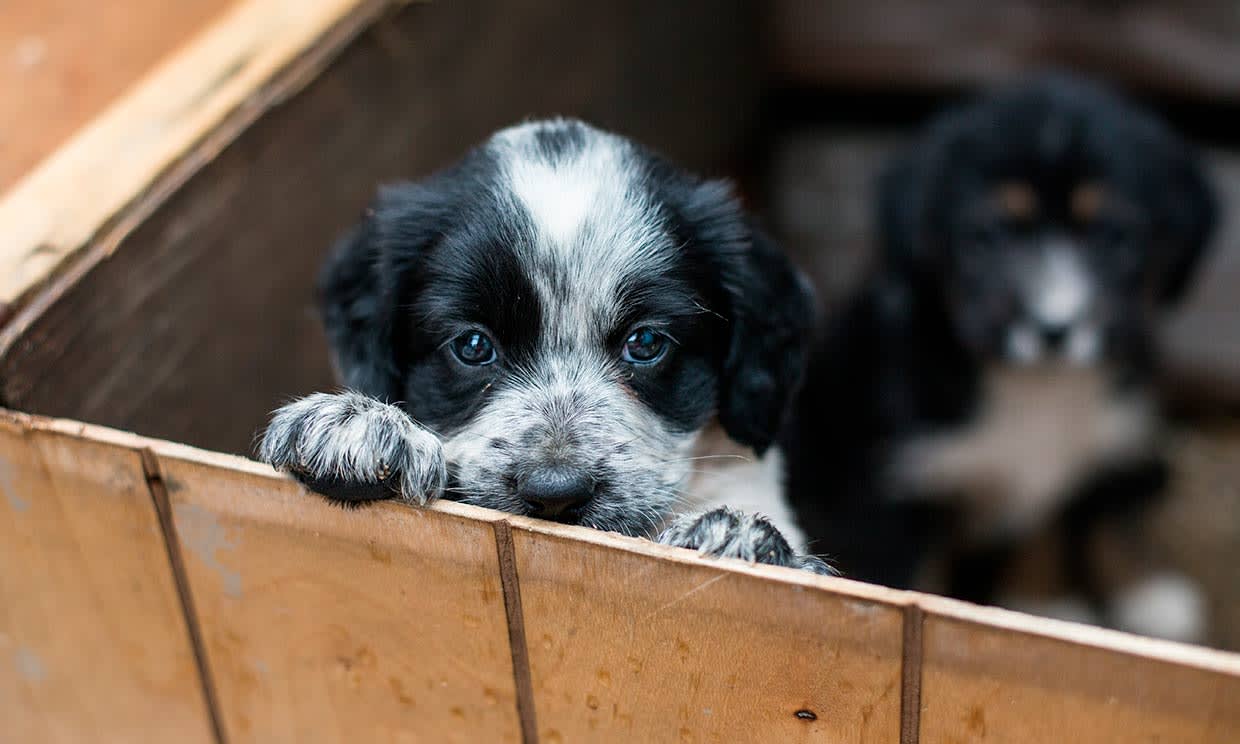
column 355, row 448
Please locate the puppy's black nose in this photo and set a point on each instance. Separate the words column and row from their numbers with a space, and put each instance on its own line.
column 1054, row 336
column 556, row 492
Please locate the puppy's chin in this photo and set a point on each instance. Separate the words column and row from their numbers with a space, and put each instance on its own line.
column 1025, row 346
column 637, row 514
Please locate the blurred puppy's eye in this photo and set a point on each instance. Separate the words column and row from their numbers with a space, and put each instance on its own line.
column 474, row 348
column 1086, row 202
column 644, row 346
column 1017, row 200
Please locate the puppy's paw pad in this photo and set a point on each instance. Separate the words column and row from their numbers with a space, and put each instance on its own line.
column 726, row 533
column 351, row 448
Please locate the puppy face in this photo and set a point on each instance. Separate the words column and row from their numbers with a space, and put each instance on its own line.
column 1052, row 217
column 567, row 311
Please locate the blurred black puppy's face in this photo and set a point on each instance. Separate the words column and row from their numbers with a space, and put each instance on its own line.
column 567, row 311
column 1054, row 217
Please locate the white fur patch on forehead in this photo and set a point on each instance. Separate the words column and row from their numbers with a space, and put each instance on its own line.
column 587, row 199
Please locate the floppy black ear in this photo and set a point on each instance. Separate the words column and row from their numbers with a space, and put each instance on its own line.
column 771, row 325
column 1188, row 216
column 359, row 288
column 357, row 312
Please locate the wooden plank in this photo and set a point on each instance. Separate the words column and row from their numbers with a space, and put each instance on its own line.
column 326, row 624
column 64, row 61
column 93, row 645
column 1182, row 49
column 112, row 161
column 201, row 323
column 990, row 675
column 688, row 648
column 631, row 641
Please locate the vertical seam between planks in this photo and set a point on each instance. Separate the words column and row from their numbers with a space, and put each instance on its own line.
column 910, row 674
column 516, row 631
column 163, row 509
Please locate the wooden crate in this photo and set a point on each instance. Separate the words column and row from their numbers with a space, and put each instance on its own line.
column 156, row 276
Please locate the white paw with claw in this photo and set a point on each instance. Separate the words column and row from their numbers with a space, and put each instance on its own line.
column 351, row 447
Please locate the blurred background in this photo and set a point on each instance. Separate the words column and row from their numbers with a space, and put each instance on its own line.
column 800, row 102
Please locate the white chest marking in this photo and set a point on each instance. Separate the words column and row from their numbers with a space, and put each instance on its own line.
column 736, row 477
column 1037, row 434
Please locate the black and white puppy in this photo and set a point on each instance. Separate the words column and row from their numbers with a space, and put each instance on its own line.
column 545, row 329
column 993, row 377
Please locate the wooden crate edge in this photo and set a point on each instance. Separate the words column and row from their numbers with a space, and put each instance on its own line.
column 147, row 143
column 1013, row 623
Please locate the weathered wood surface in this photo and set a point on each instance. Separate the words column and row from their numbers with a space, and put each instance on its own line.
column 1189, row 48
column 112, row 163
column 393, row 624
column 63, row 61
column 990, row 675
column 326, row 624
column 629, row 641
column 205, row 306
column 93, row 642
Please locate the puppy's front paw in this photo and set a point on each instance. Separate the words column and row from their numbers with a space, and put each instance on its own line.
column 726, row 533
column 350, row 447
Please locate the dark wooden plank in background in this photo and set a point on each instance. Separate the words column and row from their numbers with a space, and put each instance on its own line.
column 1185, row 49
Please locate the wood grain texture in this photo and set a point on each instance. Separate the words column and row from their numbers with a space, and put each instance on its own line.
column 93, row 645
column 389, row 624
column 993, row 676
column 629, row 641
column 207, row 305
column 50, row 215
column 326, row 624
column 1184, row 49
column 63, row 61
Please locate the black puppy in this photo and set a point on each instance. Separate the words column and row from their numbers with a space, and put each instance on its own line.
column 546, row 328
column 993, row 376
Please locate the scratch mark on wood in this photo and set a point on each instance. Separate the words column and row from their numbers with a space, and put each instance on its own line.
column 686, row 595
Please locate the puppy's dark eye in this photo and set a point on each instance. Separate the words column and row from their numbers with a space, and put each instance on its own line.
column 474, row 348
column 644, row 346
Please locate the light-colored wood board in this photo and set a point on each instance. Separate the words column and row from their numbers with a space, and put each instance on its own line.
column 326, row 624
column 53, row 211
column 93, row 643
column 605, row 600
column 64, row 61
column 629, row 641
column 990, row 675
